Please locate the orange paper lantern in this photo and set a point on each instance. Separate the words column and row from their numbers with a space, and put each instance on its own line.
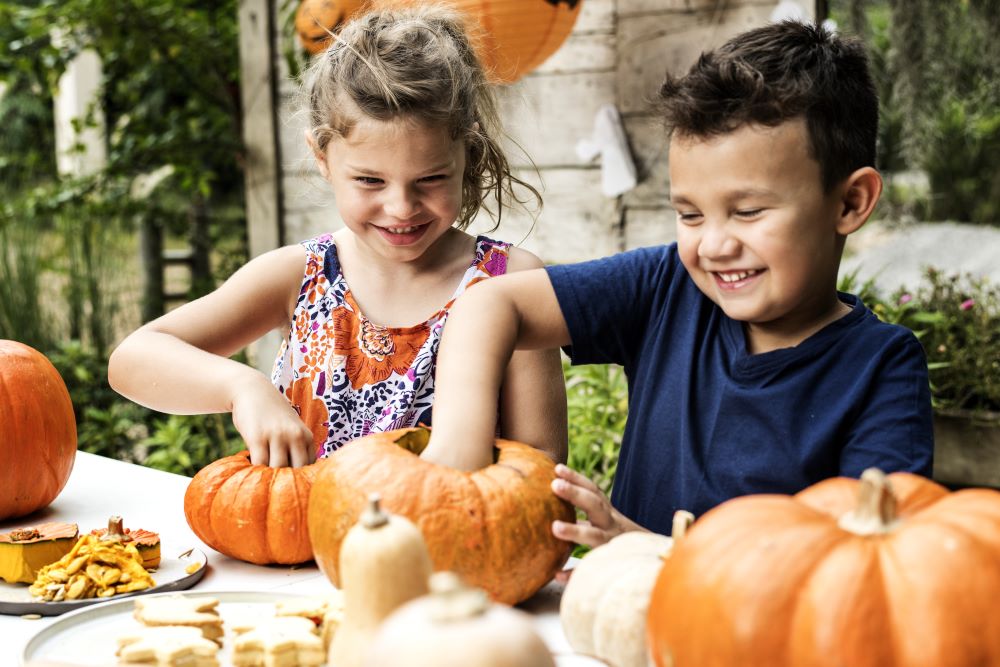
column 316, row 19
column 512, row 37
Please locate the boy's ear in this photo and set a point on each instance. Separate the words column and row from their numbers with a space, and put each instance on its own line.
column 861, row 192
column 324, row 168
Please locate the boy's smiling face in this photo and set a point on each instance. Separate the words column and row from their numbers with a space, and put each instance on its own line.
column 756, row 231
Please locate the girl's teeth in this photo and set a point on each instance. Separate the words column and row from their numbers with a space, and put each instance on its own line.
column 401, row 230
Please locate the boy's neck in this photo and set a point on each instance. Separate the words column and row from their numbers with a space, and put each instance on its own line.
column 761, row 338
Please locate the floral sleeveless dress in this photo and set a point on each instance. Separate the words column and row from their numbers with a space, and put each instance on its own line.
column 348, row 377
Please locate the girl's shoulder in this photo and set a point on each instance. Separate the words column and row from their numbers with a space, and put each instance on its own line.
column 516, row 259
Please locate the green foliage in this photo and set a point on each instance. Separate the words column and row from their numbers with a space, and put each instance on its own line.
column 937, row 68
column 597, row 404
column 185, row 444
column 957, row 320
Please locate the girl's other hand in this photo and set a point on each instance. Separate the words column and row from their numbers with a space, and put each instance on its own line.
column 273, row 431
column 603, row 521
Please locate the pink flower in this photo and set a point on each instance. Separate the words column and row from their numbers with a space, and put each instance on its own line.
column 905, row 298
column 967, row 304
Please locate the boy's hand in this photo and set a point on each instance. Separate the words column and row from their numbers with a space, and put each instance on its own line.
column 273, row 431
column 604, row 521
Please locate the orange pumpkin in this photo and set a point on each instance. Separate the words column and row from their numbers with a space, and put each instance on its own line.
column 491, row 526
column 37, row 431
column 816, row 580
column 251, row 512
column 512, row 37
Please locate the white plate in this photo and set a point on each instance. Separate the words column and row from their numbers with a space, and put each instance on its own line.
column 89, row 636
column 171, row 575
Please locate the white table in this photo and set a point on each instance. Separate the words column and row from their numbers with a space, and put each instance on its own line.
column 100, row 487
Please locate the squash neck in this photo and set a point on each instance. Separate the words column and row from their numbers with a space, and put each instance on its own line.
column 876, row 512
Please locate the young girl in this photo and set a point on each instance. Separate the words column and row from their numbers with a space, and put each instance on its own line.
column 404, row 128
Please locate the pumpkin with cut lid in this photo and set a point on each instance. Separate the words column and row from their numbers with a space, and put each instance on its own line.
column 491, row 526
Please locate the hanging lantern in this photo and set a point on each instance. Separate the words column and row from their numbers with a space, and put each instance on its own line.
column 513, row 36
column 315, row 20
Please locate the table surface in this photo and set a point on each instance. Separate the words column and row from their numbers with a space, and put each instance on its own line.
column 100, row 487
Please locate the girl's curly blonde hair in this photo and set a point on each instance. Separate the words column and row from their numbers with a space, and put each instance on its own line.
column 415, row 62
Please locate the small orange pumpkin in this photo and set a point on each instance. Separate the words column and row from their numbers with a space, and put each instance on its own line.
column 251, row 512
column 492, row 526
column 879, row 581
column 37, row 431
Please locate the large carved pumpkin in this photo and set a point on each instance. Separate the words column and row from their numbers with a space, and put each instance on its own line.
column 251, row 512
column 512, row 37
column 887, row 582
column 37, row 431
column 492, row 526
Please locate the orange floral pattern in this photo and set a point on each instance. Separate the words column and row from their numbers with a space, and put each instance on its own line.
column 348, row 377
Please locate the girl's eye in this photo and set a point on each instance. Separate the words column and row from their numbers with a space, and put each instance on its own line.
column 435, row 177
column 750, row 212
column 368, row 180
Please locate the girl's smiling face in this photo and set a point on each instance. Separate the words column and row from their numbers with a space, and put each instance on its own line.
column 756, row 231
column 398, row 184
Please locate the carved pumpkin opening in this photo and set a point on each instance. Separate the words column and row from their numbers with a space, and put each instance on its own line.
column 415, row 442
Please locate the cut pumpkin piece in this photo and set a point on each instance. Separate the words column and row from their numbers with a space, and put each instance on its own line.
column 25, row 551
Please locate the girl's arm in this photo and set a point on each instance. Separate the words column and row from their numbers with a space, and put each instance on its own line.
column 179, row 362
column 518, row 310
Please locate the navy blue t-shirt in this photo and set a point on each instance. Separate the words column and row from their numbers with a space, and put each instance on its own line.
column 708, row 421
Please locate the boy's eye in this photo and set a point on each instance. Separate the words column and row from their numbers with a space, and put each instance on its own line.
column 688, row 218
column 749, row 212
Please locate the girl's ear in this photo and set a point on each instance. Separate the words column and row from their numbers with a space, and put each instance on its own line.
column 320, row 157
column 860, row 194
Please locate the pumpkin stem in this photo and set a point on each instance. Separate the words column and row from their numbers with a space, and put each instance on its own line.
column 116, row 531
column 373, row 516
column 876, row 512
column 682, row 521
column 453, row 600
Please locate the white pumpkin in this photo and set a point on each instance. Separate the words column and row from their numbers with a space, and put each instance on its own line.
column 603, row 609
column 384, row 562
column 457, row 626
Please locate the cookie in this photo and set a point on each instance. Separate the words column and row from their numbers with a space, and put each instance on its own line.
column 283, row 641
column 167, row 646
column 179, row 610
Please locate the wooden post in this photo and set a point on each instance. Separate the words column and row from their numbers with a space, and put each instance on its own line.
column 258, row 89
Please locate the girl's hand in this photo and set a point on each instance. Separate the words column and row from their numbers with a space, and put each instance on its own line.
column 273, row 431
column 604, row 521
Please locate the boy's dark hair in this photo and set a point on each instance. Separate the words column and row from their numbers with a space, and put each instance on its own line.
column 775, row 73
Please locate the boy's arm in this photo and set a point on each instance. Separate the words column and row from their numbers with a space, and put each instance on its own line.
column 486, row 324
column 603, row 521
column 895, row 431
column 179, row 362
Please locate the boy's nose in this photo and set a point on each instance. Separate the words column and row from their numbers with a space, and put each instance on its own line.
column 401, row 203
column 717, row 241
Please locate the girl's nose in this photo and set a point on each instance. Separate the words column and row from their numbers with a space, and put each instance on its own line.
column 401, row 203
column 717, row 241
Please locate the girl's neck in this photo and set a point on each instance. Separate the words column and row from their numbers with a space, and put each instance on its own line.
column 402, row 294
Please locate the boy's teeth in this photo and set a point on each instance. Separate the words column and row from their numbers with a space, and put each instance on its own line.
column 736, row 276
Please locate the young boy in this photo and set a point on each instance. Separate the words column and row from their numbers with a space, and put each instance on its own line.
column 748, row 372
